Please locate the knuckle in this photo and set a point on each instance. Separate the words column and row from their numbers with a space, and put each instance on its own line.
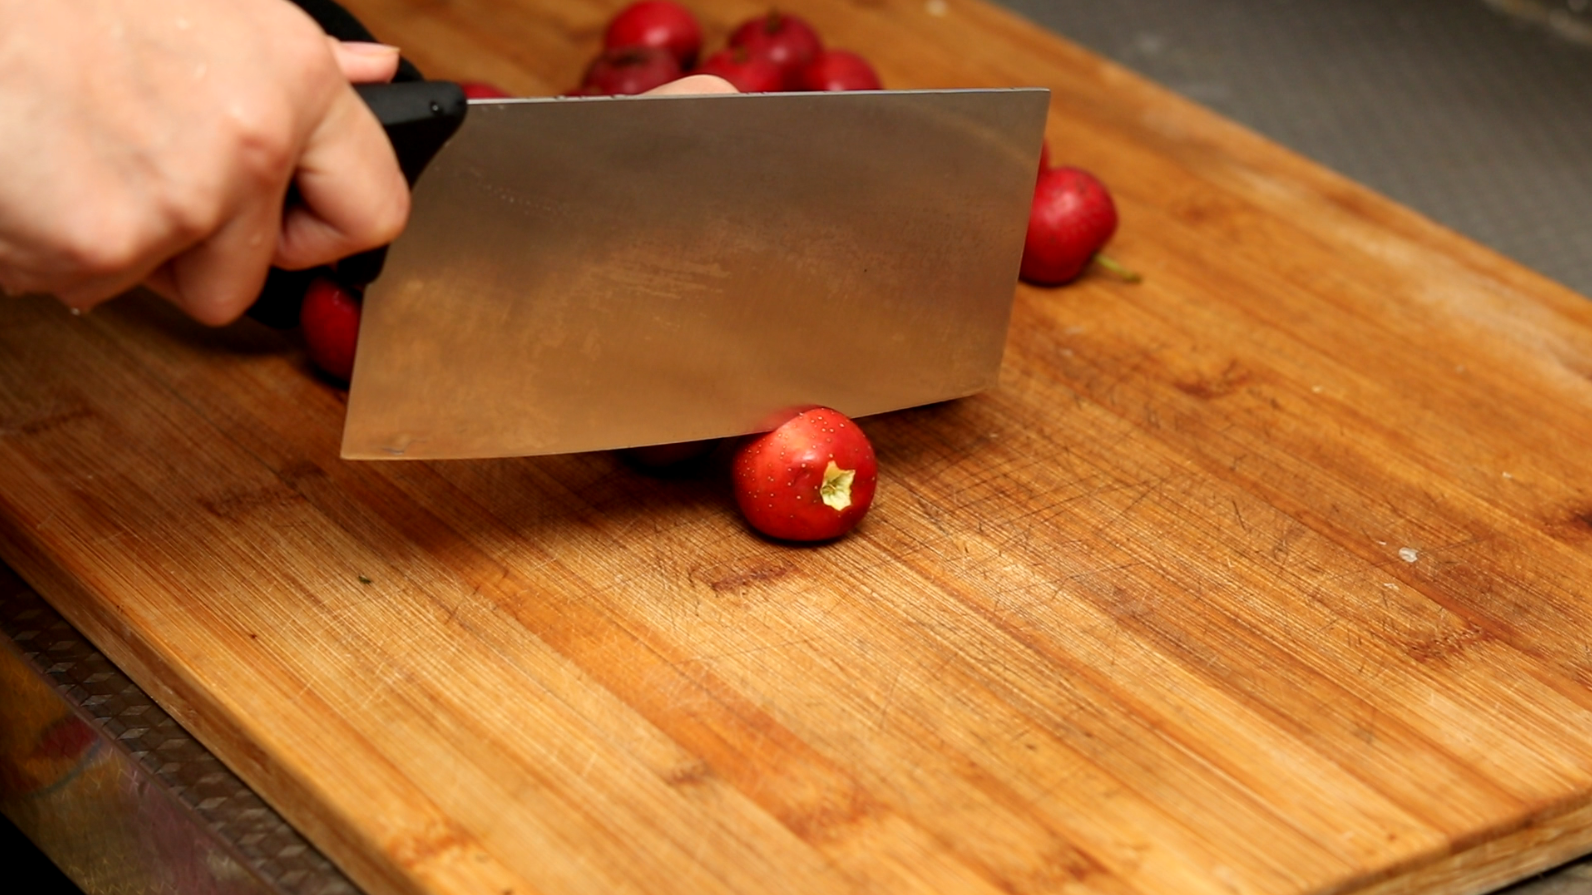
column 264, row 142
column 380, row 220
column 188, row 216
column 391, row 219
column 105, row 244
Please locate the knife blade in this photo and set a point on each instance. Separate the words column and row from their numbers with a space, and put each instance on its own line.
column 591, row 273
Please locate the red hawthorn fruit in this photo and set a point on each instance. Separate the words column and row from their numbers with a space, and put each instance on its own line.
column 329, row 319
column 483, row 90
column 788, row 41
column 66, row 739
column 748, row 71
column 811, row 479
column 627, row 71
column 1071, row 219
column 839, row 70
column 657, row 23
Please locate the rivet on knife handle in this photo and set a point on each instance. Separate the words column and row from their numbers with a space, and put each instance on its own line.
column 418, row 116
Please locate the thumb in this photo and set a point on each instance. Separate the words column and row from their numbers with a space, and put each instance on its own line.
column 363, row 62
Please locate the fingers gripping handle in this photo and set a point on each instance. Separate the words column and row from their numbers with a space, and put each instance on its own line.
column 419, row 117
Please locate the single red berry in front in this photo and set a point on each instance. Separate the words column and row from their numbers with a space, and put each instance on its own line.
column 748, row 71
column 1071, row 219
column 839, row 70
column 811, row 479
column 788, row 41
column 329, row 319
column 627, row 71
column 657, row 23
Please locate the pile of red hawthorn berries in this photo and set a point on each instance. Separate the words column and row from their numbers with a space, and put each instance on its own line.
column 652, row 42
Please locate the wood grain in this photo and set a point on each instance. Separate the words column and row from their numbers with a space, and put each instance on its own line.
column 1270, row 574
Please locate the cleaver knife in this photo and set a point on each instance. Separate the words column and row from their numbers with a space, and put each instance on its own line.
column 591, row 273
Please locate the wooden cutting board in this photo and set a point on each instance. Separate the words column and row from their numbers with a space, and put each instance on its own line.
column 1269, row 574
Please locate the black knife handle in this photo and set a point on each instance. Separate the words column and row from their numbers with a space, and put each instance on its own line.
column 419, row 117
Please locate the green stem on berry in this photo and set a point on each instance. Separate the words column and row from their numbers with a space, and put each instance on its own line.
column 1116, row 267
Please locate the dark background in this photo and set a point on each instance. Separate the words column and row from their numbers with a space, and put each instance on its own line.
column 1476, row 113
column 26, row 866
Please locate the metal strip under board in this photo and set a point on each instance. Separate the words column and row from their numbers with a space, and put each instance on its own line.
column 114, row 791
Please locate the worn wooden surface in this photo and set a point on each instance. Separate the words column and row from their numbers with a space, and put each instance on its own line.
column 1271, row 574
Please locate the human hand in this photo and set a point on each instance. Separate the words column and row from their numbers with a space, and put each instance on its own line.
column 693, row 84
column 153, row 142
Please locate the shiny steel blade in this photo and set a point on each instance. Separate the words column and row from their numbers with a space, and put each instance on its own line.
column 585, row 274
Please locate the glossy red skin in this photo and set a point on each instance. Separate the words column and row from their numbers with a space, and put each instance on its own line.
column 67, row 738
column 657, row 23
column 777, row 476
column 483, row 90
column 839, row 70
column 630, row 70
column 788, row 41
column 329, row 320
column 1071, row 219
column 748, row 71
column 31, row 771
